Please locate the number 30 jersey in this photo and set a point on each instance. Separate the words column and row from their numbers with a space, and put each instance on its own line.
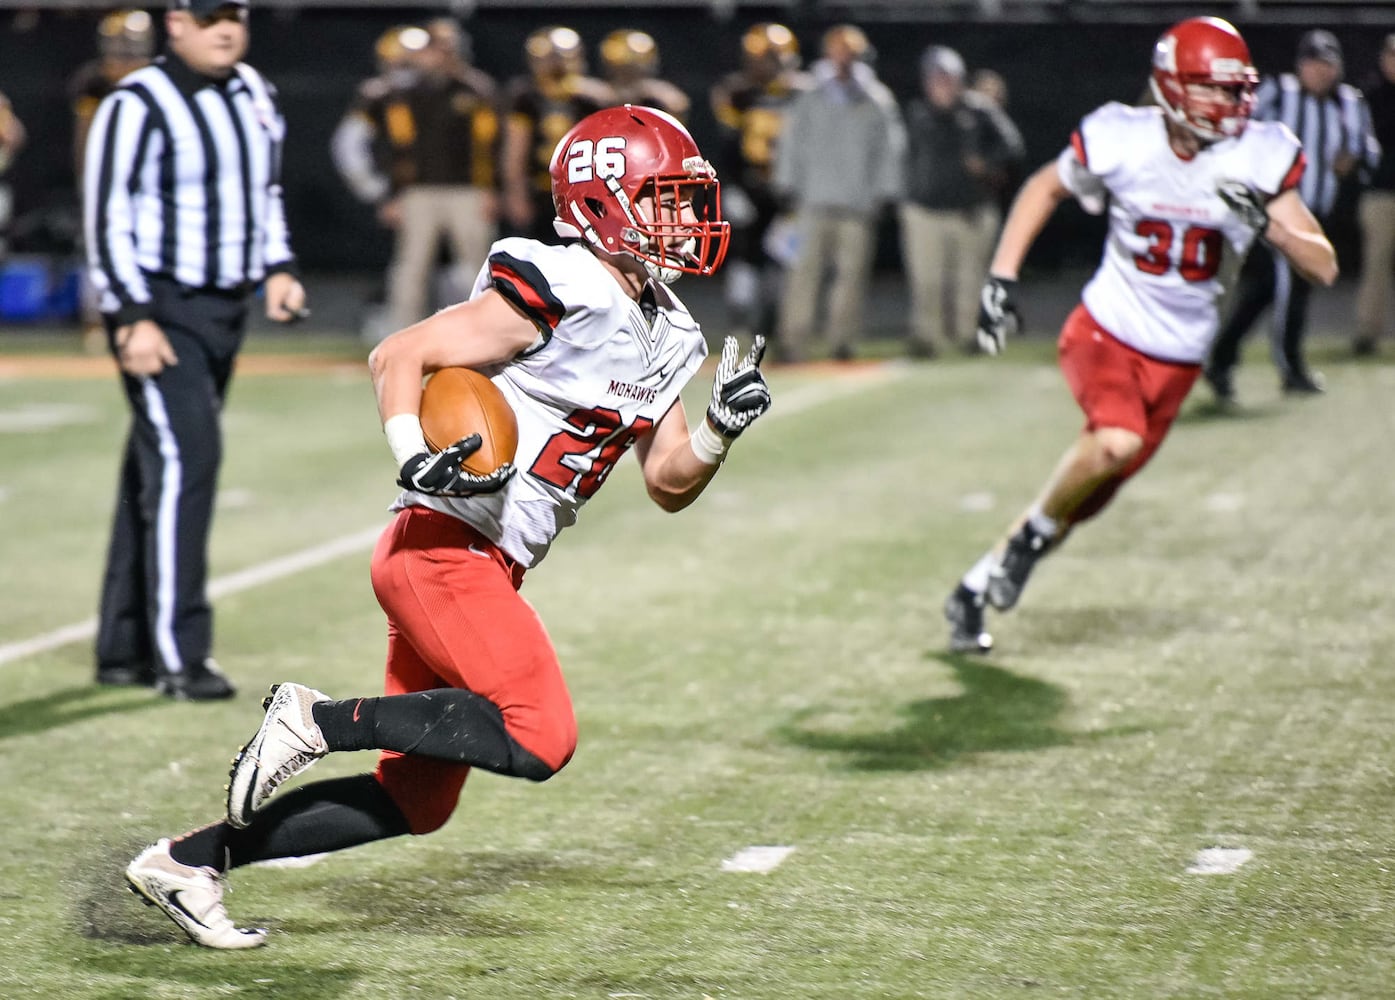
column 1158, row 287
column 603, row 371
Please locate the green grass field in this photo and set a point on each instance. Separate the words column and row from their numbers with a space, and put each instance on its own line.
column 1207, row 666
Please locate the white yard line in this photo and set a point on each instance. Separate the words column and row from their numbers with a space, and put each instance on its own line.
column 795, row 401
column 1219, row 860
column 759, row 858
column 252, row 576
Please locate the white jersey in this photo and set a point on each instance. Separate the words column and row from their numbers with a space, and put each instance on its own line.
column 1158, row 287
column 604, row 370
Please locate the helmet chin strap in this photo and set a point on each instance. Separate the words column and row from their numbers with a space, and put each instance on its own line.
column 1179, row 116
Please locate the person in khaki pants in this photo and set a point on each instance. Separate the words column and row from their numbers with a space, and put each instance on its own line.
column 448, row 122
column 839, row 162
column 1377, row 212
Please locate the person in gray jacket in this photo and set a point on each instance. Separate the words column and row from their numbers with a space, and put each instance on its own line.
column 839, row 162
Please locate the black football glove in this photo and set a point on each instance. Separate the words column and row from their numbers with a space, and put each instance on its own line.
column 1246, row 203
column 998, row 317
column 441, row 475
column 739, row 392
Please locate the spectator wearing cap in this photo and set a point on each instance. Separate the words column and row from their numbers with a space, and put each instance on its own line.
column 1332, row 121
column 839, row 162
column 1376, row 211
column 183, row 221
column 962, row 152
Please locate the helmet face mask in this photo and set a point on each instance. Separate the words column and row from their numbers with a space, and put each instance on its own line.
column 1204, row 79
column 630, row 181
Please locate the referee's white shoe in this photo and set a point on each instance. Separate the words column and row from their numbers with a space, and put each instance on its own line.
column 191, row 897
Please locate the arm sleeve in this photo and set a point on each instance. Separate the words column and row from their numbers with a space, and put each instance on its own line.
column 351, row 147
column 523, row 283
column 279, row 256
column 110, row 175
column 891, row 184
column 788, row 174
column 1073, row 167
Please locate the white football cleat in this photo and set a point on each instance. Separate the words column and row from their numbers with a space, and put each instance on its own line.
column 191, row 897
column 288, row 742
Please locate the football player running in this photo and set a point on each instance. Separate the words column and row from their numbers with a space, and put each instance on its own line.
column 1189, row 184
column 591, row 348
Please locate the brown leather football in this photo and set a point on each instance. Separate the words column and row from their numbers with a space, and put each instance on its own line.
column 458, row 402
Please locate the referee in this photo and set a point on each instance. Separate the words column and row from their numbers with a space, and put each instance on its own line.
column 1332, row 121
column 184, row 219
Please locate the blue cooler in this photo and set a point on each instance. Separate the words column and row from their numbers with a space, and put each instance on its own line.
column 24, row 289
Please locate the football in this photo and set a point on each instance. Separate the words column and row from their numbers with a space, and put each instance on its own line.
column 458, row 402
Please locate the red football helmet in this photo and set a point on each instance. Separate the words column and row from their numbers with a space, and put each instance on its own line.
column 1209, row 52
column 613, row 159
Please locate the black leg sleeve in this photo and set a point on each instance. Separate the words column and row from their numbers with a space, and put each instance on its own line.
column 447, row 723
column 314, row 819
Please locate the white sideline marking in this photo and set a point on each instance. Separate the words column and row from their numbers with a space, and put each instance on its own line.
column 757, row 859
column 1219, row 860
column 252, row 576
column 45, row 417
column 794, row 402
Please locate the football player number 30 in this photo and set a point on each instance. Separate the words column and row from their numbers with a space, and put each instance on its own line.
column 1201, row 250
column 600, row 159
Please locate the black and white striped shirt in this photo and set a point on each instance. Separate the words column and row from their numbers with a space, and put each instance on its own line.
column 1327, row 126
column 183, row 179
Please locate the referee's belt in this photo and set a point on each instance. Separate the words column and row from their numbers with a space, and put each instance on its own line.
column 239, row 291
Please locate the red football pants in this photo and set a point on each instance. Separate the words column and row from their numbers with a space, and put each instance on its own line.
column 455, row 619
column 1118, row 386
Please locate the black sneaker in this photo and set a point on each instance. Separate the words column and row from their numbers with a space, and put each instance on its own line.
column 126, row 675
column 1222, row 383
column 1303, row 384
column 964, row 612
column 196, row 682
column 1006, row 580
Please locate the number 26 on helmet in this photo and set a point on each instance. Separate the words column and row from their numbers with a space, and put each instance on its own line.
column 630, row 180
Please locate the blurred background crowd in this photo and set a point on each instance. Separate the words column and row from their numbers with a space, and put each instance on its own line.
column 854, row 141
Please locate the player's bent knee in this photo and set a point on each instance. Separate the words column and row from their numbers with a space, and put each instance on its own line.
column 540, row 766
column 1117, row 446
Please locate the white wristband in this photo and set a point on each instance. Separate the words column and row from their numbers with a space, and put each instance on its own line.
column 404, row 436
column 707, row 444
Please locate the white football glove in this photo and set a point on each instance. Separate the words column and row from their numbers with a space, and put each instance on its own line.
column 441, row 475
column 1246, row 203
column 998, row 317
column 739, row 392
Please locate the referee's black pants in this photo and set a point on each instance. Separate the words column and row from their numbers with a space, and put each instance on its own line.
column 155, row 616
column 1266, row 279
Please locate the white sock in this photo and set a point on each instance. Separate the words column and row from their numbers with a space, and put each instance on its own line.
column 1044, row 526
column 977, row 577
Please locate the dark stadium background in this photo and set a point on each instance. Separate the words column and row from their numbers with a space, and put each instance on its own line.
column 1060, row 60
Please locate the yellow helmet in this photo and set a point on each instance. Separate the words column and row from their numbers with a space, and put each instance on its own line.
column 627, row 50
column 770, row 43
column 555, row 51
column 396, row 45
column 126, row 34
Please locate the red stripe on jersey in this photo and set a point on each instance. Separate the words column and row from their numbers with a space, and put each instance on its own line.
column 1295, row 173
column 524, row 285
column 1077, row 143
